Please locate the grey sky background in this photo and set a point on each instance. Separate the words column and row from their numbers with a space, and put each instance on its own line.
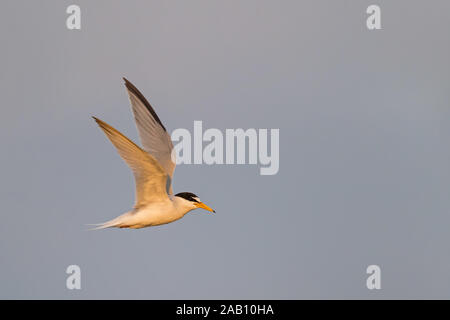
column 364, row 121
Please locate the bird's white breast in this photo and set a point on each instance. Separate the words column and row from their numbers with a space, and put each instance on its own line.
column 157, row 213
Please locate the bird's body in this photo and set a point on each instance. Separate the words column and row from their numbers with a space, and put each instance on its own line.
column 153, row 214
column 152, row 166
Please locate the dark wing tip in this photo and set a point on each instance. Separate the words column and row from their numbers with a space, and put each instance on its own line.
column 98, row 121
column 106, row 127
column 131, row 88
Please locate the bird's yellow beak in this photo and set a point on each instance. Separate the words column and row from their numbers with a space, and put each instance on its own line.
column 204, row 206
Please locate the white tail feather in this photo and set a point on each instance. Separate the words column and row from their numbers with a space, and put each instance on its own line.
column 116, row 222
column 108, row 224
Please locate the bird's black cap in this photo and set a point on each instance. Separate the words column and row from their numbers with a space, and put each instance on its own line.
column 188, row 196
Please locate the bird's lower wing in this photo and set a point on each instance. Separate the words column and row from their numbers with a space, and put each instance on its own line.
column 150, row 177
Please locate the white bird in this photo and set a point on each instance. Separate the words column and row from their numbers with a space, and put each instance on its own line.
column 152, row 167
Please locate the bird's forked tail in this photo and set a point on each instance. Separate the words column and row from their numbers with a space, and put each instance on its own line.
column 114, row 223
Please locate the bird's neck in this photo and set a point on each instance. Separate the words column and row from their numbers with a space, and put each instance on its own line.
column 181, row 205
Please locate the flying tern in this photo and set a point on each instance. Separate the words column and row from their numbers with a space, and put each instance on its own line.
column 152, row 167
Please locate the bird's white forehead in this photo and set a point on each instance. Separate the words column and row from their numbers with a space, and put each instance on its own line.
column 197, row 198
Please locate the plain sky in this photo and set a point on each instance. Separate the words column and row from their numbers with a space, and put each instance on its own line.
column 364, row 119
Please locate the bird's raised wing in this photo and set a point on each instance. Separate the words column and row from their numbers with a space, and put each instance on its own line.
column 154, row 137
column 150, row 177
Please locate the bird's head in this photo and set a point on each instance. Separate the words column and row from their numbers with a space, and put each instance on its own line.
column 192, row 201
